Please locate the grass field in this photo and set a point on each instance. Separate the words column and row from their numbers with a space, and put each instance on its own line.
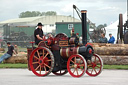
column 13, row 65
column 26, row 66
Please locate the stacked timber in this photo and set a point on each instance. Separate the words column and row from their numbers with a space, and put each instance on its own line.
column 20, row 58
column 2, row 50
column 113, row 54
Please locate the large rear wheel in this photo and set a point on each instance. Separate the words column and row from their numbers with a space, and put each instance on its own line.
column 41, row 61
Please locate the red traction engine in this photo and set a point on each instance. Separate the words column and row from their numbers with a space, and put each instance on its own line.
column 62, row 54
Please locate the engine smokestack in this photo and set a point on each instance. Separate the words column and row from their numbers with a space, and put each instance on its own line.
column 84, row 26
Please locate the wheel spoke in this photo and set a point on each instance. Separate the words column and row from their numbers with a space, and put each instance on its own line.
column 74, row 70
column 91, row 71
column 81, row 65
column 75, row 60
column 77, row 71
column 47, row 65
column 95, row 70
column 49, row 60
column 98, row 62
column 72, row 61
column 89, row 65
column 97, row 66
column 45, row 69
column 80, row 61
column 81, row 69
column 72, row 66
column 23, row 39
column 45, row 55
column 38, row 53
column 35, row 62
column 36, row 57
column 37, row 67
column 40, row 69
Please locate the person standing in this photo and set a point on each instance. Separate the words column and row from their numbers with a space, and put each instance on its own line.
column 103, row 39
column 16, row 49
column 38, row 33
column 9, row 52
column 112, row 39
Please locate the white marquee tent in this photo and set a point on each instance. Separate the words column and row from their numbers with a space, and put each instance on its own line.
column 113, row 29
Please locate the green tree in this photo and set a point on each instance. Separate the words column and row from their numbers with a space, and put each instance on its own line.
column 29, row 14
column 43, row 13
column 36, row 13
column 50, row 13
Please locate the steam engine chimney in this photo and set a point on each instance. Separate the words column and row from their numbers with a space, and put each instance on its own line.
column 84, row 26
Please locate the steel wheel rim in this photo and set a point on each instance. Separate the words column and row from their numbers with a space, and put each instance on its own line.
column 41, row 65
column 76, row 65
column 95, row 67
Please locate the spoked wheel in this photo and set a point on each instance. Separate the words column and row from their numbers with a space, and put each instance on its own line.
column 41, row 61
column 24, row 41
column 95, row 66
column 76, row 65
column 3, row 44
column 60, row 72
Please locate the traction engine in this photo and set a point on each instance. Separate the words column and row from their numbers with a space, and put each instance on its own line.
column 62, row 54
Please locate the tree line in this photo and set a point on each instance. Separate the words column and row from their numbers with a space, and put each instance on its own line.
column 36, row 14
column 48, row 13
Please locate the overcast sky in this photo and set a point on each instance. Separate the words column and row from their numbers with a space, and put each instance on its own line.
column 99, row 11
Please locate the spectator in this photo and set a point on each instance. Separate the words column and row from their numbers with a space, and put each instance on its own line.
column 9, row 52
column 112, row 39
column 103, row 39
column 16, row 49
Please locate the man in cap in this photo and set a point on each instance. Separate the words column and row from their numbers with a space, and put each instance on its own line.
column 38, row 33
column 112, row 39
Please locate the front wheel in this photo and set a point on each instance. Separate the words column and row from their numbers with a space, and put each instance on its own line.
column 95, row 65
column 76, row 65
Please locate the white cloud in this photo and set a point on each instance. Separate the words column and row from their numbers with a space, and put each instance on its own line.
column 109, row 8
column 67, row 8
column 99, row 11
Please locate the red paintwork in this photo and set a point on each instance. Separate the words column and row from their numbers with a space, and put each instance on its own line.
column 69, row 63
column 67, row 51
column 89, row 44
column 31, row 42
column 90, row 51
column 40, row 61
column 94, row 66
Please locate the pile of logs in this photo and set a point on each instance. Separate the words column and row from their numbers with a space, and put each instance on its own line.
column 2, row 50
column 113, row 54
column 20, row 58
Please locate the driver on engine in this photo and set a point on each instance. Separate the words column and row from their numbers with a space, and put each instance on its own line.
column 38, row 33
